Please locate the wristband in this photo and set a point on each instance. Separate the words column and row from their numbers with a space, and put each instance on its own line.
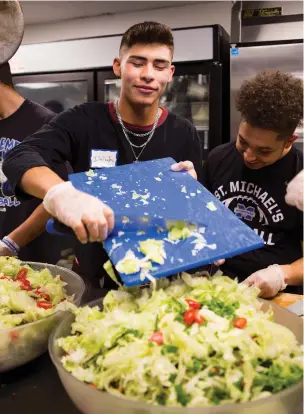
column 11, row 245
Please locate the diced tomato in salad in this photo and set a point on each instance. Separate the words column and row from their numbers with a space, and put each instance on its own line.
column 193, row 304
column 240, row 323
column 157, row 337
column 25, row 284
column 44, row 304
column 193, row 316
column 22, row 274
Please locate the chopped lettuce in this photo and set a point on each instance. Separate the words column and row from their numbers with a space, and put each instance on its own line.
column 179, row 230
column 27, row 295
column 144, row 345
column 129, row 264
column 110, row 271
column 211, row 206
column 136, row 195
column 91, row 173
column 153, row 250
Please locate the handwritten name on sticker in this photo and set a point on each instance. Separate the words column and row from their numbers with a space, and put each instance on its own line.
column 103, row 159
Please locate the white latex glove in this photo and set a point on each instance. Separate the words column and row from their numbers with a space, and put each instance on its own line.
column 270, row 280
column 294, row 192
column 89, row 217
column 185, row 166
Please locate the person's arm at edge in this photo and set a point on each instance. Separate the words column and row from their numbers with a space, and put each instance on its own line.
column 294, row 272
column 31, row 228
column 29, row 167
column 38, row 181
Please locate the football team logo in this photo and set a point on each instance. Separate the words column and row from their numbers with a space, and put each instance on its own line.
column 246, row 208
column 245, row 213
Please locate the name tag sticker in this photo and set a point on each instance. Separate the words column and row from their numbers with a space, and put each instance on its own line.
column 103, row 158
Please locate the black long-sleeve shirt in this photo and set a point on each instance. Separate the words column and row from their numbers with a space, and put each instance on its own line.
column 27, row 119
column 72, row 135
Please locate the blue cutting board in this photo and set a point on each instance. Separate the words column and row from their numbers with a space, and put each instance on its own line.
column 225, row 234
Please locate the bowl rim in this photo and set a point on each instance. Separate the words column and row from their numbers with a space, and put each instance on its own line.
column 76, row 298
column 226, row 408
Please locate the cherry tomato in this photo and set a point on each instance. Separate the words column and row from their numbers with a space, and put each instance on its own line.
column 199, row 318
column 44, row 305
column 189, row 316
column 240, row 323
column 25, row 284
column 193, row 315
column 22, row 274
column 45, row 296
column 193, row 304
column 157, row 337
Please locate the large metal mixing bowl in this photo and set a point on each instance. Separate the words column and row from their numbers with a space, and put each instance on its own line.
column 26, row 342
column 91, row 401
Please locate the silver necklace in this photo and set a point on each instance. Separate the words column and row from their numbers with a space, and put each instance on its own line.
column 126, row 131
column 143, row 134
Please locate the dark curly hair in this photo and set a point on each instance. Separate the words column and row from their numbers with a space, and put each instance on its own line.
column 272, row 100
column 147, row 33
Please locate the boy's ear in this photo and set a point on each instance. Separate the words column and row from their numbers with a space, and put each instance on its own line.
column 117, row 67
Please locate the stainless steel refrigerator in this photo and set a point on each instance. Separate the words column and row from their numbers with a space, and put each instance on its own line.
column 247, row 60
column 56, row 91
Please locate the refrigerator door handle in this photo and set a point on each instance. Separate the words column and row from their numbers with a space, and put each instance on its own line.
column 206, row 140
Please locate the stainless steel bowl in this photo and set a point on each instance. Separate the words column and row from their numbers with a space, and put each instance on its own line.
column 91, row 401
column 26, row 342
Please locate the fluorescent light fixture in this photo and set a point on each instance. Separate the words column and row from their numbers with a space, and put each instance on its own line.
column 38, row 85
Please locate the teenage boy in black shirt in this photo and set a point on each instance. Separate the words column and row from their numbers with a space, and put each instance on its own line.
column 250, row 176
column 20, row 234
column 133, row 129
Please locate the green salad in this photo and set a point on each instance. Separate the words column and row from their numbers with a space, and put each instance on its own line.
column 27, row 295
column 191, row 342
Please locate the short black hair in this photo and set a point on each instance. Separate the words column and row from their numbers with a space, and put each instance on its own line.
column 147, row 33
column 5, row 74
column 272, row 100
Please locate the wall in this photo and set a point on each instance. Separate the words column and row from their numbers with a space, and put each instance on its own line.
column 192, row 15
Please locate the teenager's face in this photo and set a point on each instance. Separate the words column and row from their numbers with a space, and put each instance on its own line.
column 145, row 71
column 260, row 147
